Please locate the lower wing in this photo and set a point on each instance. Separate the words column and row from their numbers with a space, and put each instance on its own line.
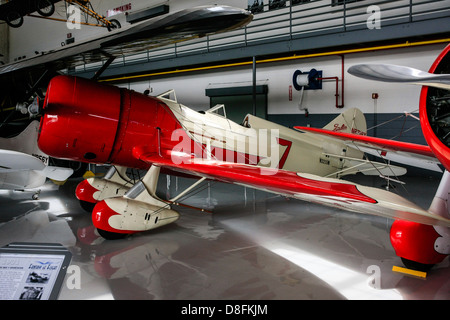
column 308, row 187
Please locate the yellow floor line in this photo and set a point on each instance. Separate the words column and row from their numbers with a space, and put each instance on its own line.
column 414, row 273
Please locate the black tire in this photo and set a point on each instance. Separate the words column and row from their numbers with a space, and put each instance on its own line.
column 115, row 24
column 14, row 19
column 45, row 8
column 417, row 265
column 108, row 235
column 87, row 206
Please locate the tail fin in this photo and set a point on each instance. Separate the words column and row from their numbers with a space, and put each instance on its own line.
column 350, row 121
column 25, row 142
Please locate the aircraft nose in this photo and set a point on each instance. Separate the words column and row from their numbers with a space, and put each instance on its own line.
column 80, row 120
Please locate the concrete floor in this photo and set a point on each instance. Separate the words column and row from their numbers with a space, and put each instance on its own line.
column 255, row 246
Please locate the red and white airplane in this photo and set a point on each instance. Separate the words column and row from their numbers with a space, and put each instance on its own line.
column 91, row 122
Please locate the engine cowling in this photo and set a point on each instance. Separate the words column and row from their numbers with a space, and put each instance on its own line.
column 92, row 122
column 434, row 112
column 91, row 113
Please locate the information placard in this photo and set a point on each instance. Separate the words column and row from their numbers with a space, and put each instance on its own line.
column 32, row 271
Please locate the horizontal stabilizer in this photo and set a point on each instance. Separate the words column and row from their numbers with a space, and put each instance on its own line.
column 411, row 154
column 371, row 168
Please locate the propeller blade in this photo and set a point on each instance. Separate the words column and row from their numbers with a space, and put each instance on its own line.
column 400, row 74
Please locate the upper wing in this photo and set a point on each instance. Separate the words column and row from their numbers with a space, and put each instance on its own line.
column 183, row 25
column 331, row 192
column 403, row 152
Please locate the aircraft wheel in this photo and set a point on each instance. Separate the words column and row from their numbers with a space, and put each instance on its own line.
column 14, row 19
column 115, row 24
column 417, row 265
column 108, row 235
column 45, row 8
column 87, row 206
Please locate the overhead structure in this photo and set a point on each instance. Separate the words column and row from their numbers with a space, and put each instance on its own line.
column 13, row 12
column 87, row 8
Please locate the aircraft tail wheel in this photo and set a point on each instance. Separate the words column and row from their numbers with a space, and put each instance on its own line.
column 417, row 265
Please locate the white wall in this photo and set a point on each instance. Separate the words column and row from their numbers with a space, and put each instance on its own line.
column 393, row 98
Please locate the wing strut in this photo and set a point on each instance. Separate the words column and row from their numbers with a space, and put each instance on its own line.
column 104, row 67
column 187, row 190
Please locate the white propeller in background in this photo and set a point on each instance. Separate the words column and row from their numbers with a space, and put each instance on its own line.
column 400, row 74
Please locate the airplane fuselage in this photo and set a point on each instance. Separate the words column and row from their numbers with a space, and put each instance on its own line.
column 91, row 122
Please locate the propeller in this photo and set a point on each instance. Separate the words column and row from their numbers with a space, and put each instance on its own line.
column 400, row 74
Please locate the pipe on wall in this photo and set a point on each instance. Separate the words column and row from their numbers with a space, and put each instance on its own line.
column 339, row 106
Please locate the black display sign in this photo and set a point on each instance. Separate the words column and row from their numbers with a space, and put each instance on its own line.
column 32, row 271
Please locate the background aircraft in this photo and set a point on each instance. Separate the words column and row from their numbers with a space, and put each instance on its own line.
column 23, row 165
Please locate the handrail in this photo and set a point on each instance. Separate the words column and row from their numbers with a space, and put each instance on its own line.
column 297, row 21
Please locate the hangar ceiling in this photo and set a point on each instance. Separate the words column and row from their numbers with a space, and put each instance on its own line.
column 298, row 28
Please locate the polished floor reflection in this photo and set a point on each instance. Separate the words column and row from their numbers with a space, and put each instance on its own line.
column 254, row 245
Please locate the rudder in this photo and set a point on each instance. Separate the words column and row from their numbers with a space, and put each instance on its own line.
column 350, row 121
